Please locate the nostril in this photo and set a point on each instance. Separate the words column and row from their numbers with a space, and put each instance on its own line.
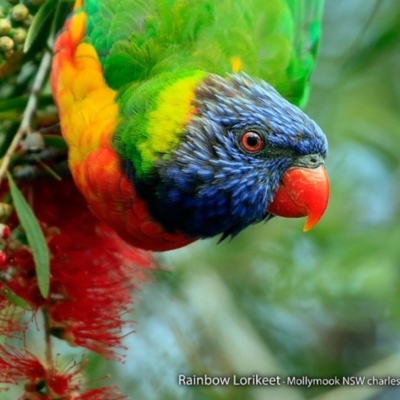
column 313, row 160
column 309, row 161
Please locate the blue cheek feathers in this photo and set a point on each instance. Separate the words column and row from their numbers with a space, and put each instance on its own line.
column 204, row 191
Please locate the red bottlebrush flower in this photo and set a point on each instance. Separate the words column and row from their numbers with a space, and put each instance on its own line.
column 48, row 382
column 66, row 384
column 17, row 366
column 10, row 319
column 93, row 271
column 10, row 315
column 19, row 270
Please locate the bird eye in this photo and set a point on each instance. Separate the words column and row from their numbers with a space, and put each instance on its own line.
column 252, row 141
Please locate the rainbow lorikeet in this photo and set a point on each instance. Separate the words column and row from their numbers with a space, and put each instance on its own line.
column 173, row 132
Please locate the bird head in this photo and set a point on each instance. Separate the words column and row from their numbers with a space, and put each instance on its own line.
column 245, row 155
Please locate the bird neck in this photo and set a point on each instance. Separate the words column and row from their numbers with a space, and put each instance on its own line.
column 153, row 117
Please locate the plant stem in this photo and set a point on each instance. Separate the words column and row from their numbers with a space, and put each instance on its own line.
column 30, row 110
column 48, row 349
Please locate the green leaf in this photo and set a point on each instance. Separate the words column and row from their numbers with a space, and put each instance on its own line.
column 16, row 300
column 40, row 24
column 18, row 104
column 55, row 141
column 35, row 237
column 47, row 168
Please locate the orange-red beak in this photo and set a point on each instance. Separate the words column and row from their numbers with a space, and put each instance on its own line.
column 303, row 192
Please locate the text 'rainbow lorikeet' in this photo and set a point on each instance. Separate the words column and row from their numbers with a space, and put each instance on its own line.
column 173, row 132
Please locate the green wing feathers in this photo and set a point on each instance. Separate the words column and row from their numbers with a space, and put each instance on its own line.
column 307, row 19
column 277, row 42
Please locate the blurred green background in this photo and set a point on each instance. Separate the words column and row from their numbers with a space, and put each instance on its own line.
column 277, row 301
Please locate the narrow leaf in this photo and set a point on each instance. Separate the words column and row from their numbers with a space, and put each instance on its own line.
column 35, row 237
column 41, row 22
column 47, row 168
column 16, row 300
column 18, row 104
column 55, row 141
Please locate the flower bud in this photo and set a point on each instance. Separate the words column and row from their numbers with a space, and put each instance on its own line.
column 8, row 54
column 3, row 257
column 19, row 12
column 5, row 210
column 4, row 231
column 28, row 21
column 6, row 43
column 18, row 35
column 5, row 26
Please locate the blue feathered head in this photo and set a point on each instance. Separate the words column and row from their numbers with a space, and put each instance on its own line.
column 246, row 154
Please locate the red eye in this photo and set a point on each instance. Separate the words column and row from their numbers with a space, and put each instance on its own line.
column 252, row 141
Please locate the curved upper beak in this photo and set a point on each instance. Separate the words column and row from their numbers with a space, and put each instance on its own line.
column 303, row 192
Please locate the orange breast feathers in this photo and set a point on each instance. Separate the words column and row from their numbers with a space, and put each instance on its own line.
column 89, row 116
